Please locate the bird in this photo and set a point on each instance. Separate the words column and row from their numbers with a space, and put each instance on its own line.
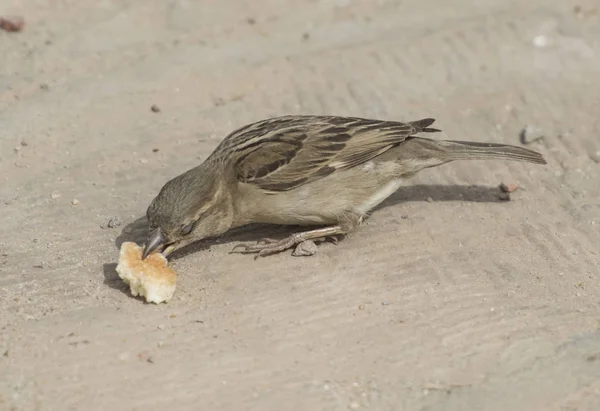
column 326, row 172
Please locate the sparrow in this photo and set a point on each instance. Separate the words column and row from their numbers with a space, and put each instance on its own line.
column 306, row 170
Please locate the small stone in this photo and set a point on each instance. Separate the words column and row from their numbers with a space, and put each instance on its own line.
column 12, row 23
column 55, row 195
column 541, row 41
column 509, row 188
column 155, row 108
column 44, row 87
column 161, row 326
column 114, row 222
column 155, row 150
column 24, row 143
column 361, row 306
column 145, row 356
column 305, row 36
column 385, row 303
column 305, row 248
column 530, row 133
column 429, row 200
column 17, row 149
column 251, row 21
column 75, row 202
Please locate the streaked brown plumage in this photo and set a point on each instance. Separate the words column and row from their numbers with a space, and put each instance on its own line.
column 303, row 170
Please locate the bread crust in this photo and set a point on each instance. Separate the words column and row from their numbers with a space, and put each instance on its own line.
column 151, row 278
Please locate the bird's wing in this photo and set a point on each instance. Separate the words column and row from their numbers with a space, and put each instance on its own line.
column 286, row 152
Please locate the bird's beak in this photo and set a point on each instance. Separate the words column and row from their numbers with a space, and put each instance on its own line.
column 156, row 241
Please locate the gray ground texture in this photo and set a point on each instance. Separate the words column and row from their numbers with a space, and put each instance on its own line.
column 447, row 298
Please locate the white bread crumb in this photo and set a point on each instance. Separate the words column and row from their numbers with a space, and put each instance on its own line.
column 150, row 278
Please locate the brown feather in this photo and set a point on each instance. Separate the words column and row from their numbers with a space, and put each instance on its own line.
column 286, row 152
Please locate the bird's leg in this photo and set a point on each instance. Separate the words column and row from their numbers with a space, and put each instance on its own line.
column 264, row 248
column 347, row 222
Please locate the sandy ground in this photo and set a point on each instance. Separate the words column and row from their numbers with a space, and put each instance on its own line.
column 459, row 302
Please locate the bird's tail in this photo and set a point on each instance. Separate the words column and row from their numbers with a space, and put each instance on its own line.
column 449, row 150
column 467, row 150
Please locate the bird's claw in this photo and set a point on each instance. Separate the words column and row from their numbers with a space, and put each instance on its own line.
column 267, row 246
column 334, row 240
column 267, row 241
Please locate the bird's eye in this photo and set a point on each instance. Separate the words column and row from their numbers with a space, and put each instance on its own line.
column 186, row 230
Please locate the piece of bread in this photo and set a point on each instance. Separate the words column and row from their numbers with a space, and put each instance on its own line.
column 150, row 278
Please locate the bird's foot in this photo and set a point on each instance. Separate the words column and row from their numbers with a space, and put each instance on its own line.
column 270, row 246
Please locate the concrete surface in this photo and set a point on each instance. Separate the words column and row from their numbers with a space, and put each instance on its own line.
column 464, row 302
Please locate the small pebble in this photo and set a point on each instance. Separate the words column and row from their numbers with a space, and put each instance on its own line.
column 55, row 195
column 541, row 41
column 429, row 200
column 114, row 222
column 143, row 161
column 530, row 134
column 305, row 248
column 24, row 143
column 145, row 356
column 12, row 23
column 44, row 87
column 155, row 150
column 509, row 188
column 161, row 326
column 75, row 202
column 155, row 108
column 385, row 303
column 251, row 21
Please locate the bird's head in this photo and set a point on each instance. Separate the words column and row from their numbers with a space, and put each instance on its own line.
column 188, row 208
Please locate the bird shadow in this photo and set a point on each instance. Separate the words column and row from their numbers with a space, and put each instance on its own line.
column 137, row 231
column 440, row 192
